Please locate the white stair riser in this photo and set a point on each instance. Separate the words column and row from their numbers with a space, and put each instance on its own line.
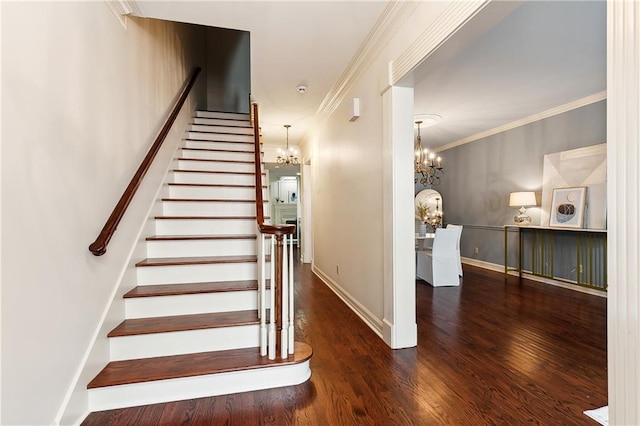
column 221, row 122
column 222, row 129
column 176, row 274
column 223, row 115
column 207, row 136
column 215, row 178
column 215, row 192
column 218, row 166
column 197, row 387
column 190, row 248
column 184, row 342
column 231, row 146
column 217, row 155
column 208, row 208
column 186, row 304
column 205, row 226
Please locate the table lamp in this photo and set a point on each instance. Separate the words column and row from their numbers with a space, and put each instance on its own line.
column 522, row 199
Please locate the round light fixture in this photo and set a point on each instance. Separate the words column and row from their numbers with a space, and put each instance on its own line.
column 428, row 120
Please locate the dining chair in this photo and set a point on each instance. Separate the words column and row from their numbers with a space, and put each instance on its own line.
column 439, row 266
column 459, row 228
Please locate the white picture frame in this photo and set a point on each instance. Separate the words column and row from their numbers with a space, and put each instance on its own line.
column 568, row 207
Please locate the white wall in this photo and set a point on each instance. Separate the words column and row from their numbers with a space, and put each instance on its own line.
column 348, row 181
column 82, row 101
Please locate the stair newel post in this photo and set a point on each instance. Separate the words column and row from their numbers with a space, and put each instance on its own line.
column 262, row 309
column 277, row 288
column 291, row 311
column 284, row 336
column 272, row 307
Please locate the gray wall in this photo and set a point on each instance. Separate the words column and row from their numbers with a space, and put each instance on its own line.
column 228, row 70
column 480, row 175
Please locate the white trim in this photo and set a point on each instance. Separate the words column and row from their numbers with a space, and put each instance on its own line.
column 578, row 103
column 455, row 15
column 121, row 8
column 385, row 27
column 162, row 391
column 365, row 315
column 623, row 215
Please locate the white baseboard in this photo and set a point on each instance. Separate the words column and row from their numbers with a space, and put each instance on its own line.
column 365, row 315
column 500, row 268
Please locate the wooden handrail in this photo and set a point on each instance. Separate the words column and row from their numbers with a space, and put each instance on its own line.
column 99, row 246
column 265, row 229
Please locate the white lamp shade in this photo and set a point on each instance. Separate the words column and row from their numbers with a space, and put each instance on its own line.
column 521, row 199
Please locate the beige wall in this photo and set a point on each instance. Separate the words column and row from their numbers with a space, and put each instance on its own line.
column 82, row 100
column 347, row 165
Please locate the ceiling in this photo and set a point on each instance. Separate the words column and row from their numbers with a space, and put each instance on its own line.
column 292, row 43
column 543, row 54
column 513, row 60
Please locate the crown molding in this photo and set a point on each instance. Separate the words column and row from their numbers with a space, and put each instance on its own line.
column 455, row 15
column 122, row 8
column 578, row 103
column 391, row 19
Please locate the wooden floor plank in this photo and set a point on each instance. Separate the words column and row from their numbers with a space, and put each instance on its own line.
column 490, row 352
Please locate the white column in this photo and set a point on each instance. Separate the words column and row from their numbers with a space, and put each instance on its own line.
column 399, row 322
column 623, row 164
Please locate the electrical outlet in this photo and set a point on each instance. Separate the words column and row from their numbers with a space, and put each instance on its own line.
column 580, row 269
column 476, row 250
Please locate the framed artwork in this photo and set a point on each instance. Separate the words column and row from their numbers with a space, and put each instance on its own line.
column 568, row 206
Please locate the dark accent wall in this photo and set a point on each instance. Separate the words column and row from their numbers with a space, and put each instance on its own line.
column 480, row 175
column 228, row 70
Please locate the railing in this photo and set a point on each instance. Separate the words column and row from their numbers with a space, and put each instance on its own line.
column 99, row 246
column 276, row 334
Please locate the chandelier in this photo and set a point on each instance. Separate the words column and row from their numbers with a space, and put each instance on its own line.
column 427, row 164
column 289, row 155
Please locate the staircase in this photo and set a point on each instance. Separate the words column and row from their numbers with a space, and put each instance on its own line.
column 192, row 326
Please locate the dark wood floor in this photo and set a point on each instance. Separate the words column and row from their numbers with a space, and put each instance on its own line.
column 491, row 352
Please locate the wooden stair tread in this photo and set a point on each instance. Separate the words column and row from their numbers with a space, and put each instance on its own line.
column 177, row 366
column 235, row 151
column 222, row 172
column 213, row 200
column 218, row 133
column 191, row 288
column 211, row 140
column 138, row 326
column 197, row 260
column 236, row 125
column 202, row 237
column 221, row 136
column 214, row 185
column 210, row 160
column 208, row 217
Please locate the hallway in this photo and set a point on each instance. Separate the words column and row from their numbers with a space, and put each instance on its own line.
column 489, row 352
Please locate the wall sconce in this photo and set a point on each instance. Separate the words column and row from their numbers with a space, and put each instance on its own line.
column 522, row 199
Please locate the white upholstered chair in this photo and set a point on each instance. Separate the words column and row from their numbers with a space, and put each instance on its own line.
column 459, row 228
column 439, row 266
